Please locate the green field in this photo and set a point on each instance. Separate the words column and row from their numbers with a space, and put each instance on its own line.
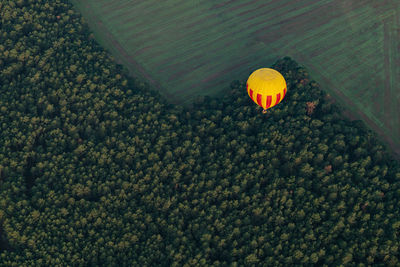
column 190, row 48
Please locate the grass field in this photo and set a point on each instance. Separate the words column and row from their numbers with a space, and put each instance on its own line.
column 189, row 48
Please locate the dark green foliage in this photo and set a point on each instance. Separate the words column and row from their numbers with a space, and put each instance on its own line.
column 97, row 170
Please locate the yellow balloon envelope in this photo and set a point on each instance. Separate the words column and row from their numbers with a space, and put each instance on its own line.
column 266, row 87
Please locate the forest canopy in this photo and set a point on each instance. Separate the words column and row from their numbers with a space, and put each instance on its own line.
column 98, row 169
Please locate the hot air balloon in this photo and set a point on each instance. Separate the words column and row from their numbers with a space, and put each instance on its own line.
column 266, row 87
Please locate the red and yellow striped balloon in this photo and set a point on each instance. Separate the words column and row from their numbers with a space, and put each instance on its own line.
column 266, row 87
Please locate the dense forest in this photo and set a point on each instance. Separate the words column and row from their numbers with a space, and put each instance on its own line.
column 96, row 169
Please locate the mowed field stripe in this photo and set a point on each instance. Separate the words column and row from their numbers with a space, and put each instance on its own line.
column 213, row 42
column 129, row 10
column 192, row 78
column 396, row 73
column 204, row 72
column 261, row 14
column 161, row 29
column 364, row 87
column 145, row 28
column 333, row 53
column 109, row 15
column 244, row 19
column 349, row 75
column 108, row 4
column 329, row 32
column 180, row 7
column 387, row 108
column 238, row 6
column 200, row 68
column 273, row 17
column 313, row 36
column 307, row 36
column 366, row 49
column 116, row 10
column 208, row 67
column 285, row 14
column 213, row 76
column 187, row 52
column 221, row 4
column 188, row 36
column 182, row 11
column 217, row 23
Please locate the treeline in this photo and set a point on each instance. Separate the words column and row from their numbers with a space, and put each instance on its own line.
column 98, row 170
